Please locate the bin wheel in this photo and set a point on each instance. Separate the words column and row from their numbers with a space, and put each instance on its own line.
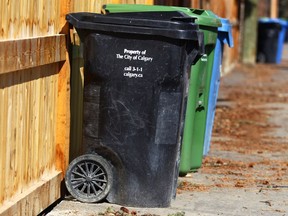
column 89, row 178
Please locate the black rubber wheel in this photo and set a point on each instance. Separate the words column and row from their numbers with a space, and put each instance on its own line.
column 89, row 178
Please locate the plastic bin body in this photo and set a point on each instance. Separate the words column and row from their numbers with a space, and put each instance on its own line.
column 200, row 110
column 271, row 37
column 200, row 76
column 224, row 37
column 286, row 32
column 136, row 73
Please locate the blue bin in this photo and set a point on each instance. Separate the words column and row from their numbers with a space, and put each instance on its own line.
column 286, row 33
column 271, row 37
column 224, row 37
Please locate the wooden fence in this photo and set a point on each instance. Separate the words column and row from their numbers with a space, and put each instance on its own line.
column 34, row 109
column 34, row 98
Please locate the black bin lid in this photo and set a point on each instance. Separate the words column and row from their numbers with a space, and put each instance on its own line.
column 172, row 24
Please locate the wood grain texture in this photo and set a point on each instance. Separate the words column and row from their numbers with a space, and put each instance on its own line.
column 34, row 77
column 63, row 118
column 29, row 104
column 23, row 19
column 35, row 198
column 33, row 52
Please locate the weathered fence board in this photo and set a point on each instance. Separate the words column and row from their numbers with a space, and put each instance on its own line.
column 63, row 117
column 28, row 127
column 33, row 52
column 28, row 18
column 35, row 198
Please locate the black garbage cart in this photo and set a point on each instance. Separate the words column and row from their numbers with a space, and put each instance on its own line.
column 136, row 73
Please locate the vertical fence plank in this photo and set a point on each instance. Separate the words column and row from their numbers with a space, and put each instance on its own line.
column 63, row 117
column 9, row 148
column 3, row 136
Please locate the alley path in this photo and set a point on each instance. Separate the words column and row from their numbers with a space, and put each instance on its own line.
column 246, row 170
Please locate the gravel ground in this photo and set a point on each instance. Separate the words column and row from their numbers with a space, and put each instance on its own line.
column 246, row 170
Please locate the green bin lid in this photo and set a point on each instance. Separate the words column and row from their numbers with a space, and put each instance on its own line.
column 204, row 17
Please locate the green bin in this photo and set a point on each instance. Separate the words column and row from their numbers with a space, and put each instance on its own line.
column 200, row 76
